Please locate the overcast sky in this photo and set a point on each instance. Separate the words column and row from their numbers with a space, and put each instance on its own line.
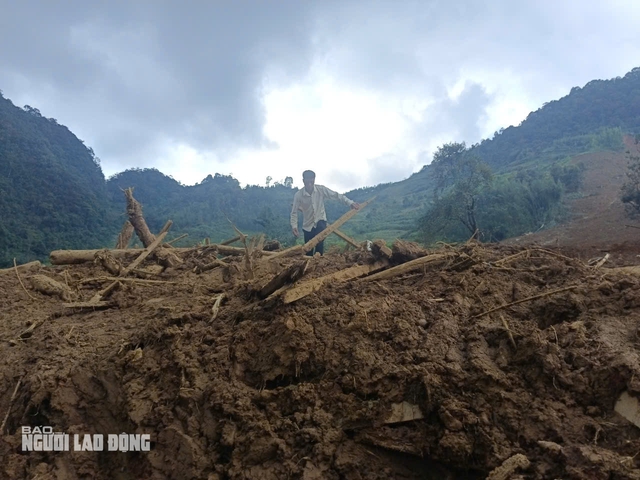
column 362, row 92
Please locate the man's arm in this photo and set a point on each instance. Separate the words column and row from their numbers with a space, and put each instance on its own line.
column 294, row 216
column 328, row 193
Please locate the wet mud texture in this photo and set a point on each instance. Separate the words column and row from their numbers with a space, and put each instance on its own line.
column 306, row 390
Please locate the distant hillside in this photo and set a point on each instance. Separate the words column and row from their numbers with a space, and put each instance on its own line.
column 562, row 127
column 206, row 210
column 53, row 193
column 52, row 190
column 589, row 119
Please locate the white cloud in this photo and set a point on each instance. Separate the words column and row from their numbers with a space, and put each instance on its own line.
column 344, row 87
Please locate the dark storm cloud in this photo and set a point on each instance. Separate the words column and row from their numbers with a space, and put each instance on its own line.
column 133, row 78
column 155, row 71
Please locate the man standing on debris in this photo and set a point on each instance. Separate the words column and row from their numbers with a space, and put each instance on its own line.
column 310, row 201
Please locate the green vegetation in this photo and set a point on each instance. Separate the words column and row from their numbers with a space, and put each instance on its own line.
column 52, row 190
column 630, row 194
column 468, row 198
column 53, row 193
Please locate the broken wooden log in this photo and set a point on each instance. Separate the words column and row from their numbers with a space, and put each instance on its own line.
column 171, row 242
column 49, row 286
column 88, row 305
column 291, row 294
column 200, row 267
column 380, row 250
column 125, row 235
column 108, row 262
column 347, row 238
column 102, row 294
column 231, row 240
column 167, row 258
column 285, row 277
column 509, row 467
column 134, row 210
column 408, row 267
column 70, row 257
column 24, row 266
column 148, row 251
column 404, row 412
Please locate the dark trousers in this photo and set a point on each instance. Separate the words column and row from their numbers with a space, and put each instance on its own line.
column 320, row 226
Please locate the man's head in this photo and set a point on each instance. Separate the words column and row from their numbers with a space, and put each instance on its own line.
column 309, row 179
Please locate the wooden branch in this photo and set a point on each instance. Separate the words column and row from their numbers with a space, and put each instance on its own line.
column 22, row 284
column 226, row 250
column 231, row 240
column 91, row 305
column 210, row 266
column 216, row 307
column 171, row 242
column 506, row 327
column 602, row 261
column 347, row 238
column 289, row 275
column 125, row 235
column 148, row 251
column 528, row 299
column 70, row 257
column 13, row 397
column 111, row 279
column 408, row 267
column 291, row 294
column 101, row 295
column 311, row 244
column 134, row 210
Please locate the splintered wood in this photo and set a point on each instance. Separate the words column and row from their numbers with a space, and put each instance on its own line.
column 290, row 295
column 125, row 235
column 134, row 210
column 287, row 276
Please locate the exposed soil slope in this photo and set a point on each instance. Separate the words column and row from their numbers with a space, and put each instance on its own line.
column 597, row 218
column 269, row 390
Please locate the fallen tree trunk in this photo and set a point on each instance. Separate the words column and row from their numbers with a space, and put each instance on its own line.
column 290, row 295
column 70, row 257
column 134, row 210
column 408, row 267
column 24, row 266
column 49, row 286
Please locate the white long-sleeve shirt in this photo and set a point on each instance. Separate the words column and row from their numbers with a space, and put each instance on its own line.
column 312, row 206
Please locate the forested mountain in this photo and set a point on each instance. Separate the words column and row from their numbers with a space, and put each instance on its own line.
column 53, row 193
column 52, row 189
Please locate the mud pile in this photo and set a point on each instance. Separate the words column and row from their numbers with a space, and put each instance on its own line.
column 411, row 376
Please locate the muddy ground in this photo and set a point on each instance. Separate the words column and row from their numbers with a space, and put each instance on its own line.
column 307, row 390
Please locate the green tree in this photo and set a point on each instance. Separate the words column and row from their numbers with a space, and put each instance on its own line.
column 631, row 188
column 460, row 177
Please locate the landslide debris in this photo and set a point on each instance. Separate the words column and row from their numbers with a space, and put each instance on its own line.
column 463, row 362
